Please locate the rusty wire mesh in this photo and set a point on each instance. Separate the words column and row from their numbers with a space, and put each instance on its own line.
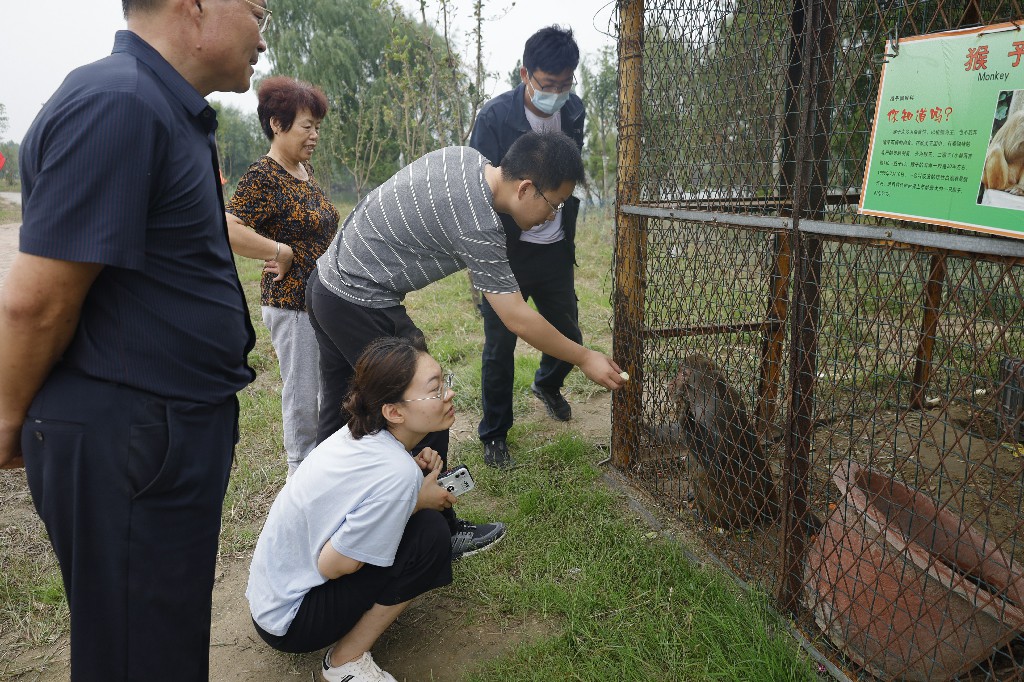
column 834, row 408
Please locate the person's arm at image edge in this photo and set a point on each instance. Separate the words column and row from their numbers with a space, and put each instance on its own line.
column 530, row 326
column 39, row 310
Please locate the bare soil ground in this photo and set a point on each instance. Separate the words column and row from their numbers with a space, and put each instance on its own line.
column 440, row 637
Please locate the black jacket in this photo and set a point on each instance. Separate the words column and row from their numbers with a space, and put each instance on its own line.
column 500, row 123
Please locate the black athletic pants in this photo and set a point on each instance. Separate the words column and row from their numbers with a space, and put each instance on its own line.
column 329, row 611
column 545, row 274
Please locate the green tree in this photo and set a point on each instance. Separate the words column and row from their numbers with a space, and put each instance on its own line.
column 514, row 79
column 673, row 98
column 440, row 91
column 396, row 87
column 601, row 96
column 743, row 85
column 437, row 96
column 240, row 141
column 5, row 122
column 338, row 45
column 713, row 102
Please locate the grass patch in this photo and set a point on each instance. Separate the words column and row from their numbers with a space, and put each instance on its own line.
column 631, row 605
column 33, row 609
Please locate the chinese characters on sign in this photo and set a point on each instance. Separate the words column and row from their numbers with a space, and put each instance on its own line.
column 933, row 159
column 937, row 114
column 936, row 153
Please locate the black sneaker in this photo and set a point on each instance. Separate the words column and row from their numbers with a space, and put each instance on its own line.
column 496, row 454
column 557, row 406
column 470, row 538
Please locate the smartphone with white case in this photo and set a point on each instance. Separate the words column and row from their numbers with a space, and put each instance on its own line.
column 457, row 481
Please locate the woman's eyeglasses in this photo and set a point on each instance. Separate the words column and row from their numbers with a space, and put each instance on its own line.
column 442, row 392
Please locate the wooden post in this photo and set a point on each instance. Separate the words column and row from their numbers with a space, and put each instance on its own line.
column 929, row 328
column 811, row 180
column 775, row 331
column 630, row 238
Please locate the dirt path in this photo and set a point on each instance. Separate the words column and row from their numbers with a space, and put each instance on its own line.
column 438, row 638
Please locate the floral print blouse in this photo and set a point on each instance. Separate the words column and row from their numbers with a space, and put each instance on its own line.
column 281, row 207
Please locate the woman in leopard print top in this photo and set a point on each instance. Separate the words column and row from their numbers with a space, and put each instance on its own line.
column 281, row 215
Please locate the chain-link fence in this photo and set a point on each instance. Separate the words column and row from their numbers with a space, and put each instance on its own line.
column 832, row 401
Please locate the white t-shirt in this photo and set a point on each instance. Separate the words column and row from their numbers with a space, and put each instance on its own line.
column 551, row 231
column 359, row 494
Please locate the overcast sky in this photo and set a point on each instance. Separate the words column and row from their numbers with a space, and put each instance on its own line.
column 41, row 41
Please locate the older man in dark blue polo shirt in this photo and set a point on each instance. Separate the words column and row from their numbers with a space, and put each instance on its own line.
column 124, row 334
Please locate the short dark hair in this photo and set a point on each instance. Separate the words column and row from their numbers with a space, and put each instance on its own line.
column 282, row 97
column 551, row 49
column 129, row 7
column 548, row 159
column 384, row 370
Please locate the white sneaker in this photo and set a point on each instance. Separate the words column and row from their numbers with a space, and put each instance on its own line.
column 363, row 669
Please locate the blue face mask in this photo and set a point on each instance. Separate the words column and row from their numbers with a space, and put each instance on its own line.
column 549, row 102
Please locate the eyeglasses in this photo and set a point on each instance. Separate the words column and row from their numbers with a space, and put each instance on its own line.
column 554, row 209
column 553, row 89
column 442, row 392
column 264, row 18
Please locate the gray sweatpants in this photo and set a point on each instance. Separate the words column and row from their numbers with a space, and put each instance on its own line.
column 299, row 357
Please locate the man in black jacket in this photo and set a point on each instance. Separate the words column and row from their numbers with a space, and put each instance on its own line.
column 543, row 258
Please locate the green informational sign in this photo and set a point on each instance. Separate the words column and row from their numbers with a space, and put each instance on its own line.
column 948, row 139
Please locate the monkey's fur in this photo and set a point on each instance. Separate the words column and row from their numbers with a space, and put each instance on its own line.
column 1004, row 160
column 732, row 485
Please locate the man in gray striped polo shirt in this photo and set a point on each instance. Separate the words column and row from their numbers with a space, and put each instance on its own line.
column 435, row 217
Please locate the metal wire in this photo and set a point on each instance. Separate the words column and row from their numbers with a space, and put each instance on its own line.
column 832, row 401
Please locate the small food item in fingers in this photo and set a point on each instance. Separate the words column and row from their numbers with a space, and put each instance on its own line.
column 624, row 375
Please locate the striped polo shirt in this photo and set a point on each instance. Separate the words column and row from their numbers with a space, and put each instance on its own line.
column 431, row 219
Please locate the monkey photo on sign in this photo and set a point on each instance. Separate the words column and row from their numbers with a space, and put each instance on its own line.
column 1004, row 159
column 732, row 483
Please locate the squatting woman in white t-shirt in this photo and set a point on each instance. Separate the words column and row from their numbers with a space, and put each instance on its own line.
column 357, row 532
